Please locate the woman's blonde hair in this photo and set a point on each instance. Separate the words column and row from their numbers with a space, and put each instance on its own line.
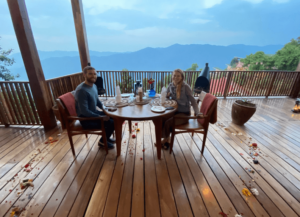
column 179, row 85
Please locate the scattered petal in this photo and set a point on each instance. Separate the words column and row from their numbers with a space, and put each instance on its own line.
column 223, row 214
column 246, row 192
column 254, row 191
column 237, row 215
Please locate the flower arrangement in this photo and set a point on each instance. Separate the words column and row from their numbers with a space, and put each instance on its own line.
column 150, row 81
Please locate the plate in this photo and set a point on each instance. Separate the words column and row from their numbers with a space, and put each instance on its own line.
column 125, row 95
column 158, row 109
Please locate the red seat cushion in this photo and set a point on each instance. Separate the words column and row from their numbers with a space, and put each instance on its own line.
column 69, row 102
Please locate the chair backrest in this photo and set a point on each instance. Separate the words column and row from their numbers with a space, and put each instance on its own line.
column 201, row 97
column 99, row 82
column 68, row 101
column 209, row 105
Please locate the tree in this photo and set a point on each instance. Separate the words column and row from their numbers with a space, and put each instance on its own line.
column 4, row 62
column 193, row 68
column 258, row 61
column 234, row 62
column 288, row 57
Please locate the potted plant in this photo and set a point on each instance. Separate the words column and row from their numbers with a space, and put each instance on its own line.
column 242, row 110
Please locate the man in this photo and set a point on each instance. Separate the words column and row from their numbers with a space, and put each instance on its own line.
column 86, row 100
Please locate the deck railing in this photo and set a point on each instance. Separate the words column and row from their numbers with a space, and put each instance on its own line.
column 17, row 106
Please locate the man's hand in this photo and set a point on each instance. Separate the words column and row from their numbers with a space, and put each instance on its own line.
column 105, row 117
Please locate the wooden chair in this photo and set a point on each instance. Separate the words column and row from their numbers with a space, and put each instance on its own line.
column 74, row 127
column 193, row 125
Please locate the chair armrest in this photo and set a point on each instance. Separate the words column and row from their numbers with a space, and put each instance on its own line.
column 191, row 117
column 85, row 119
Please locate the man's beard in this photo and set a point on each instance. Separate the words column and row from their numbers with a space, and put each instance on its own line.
column 91, row 80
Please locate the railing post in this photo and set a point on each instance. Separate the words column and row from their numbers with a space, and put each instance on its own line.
column 228, row 81
column 271, row 85
column 296, row 87
column 2, row 113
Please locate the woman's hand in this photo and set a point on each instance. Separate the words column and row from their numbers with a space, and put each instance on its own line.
column 199, row 115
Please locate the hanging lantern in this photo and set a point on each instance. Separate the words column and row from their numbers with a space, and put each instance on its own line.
column 296, row 108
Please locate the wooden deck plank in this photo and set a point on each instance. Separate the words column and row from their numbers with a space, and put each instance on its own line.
column 197, row 204
column 267, row 154
column 39, row 178
column 14, row 143
column 184, row 183
column 36, row 159
column 138, row 201
column 165, row 192
column 207, row 195
column 86, row 178
column 221, row 196
column 71, row 176
column 245, row 176
column 235, row 196
column 246, row 162
column 41, row 170
column 7, row 136
column 121, row 179
column 152, row 205
column 54, row 188
column 96, row 204
column 265, row 161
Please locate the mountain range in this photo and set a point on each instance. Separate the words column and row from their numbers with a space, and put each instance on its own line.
column 60, row 63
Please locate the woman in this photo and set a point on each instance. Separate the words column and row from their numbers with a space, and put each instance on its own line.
column 182, row 93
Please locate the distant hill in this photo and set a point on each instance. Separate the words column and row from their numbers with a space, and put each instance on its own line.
column 59, row 63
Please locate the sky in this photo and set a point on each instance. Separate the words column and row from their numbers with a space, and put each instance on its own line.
column 131, row 25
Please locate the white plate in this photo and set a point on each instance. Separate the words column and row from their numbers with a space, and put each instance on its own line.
column 158, row 109
column 125, row 95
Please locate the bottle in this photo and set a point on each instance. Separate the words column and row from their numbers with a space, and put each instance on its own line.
column 140, row 91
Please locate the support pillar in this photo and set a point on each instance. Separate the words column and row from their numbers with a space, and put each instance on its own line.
column 39, row 89
column 81, row 32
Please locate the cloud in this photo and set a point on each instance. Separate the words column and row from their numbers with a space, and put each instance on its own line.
column 155, row 7
column 199, row 21
column 112, row 25
column 211, row 3
column 281, row 1
column 97, row 7
column 259, row 1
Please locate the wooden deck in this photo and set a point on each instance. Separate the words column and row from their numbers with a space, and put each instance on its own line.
column 138, row 184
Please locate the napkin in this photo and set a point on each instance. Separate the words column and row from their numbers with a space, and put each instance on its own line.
column 118, row 96
column 163, row 95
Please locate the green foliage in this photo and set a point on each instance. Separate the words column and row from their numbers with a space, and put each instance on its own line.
column 4, row 62
column 258, row 61
column 285, row 59
column 126, row 85
column 288, row 57
column 234, row 62
column 194, row 67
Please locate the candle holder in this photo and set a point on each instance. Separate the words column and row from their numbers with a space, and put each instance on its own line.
column 296, row 108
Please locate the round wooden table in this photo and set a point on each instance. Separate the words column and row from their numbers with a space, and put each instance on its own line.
column 138, row 113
